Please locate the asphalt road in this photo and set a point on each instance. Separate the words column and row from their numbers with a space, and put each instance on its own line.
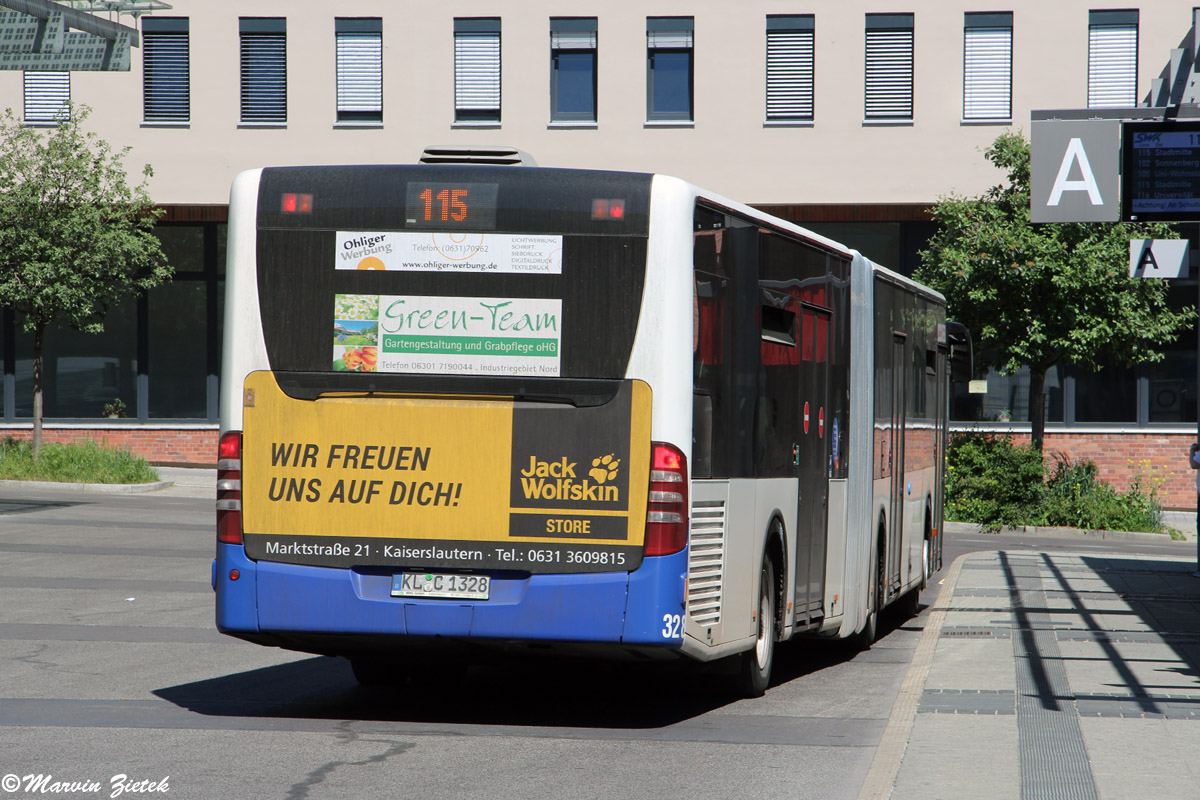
column 110, row 666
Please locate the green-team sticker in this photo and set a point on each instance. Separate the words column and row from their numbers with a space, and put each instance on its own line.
column 455, row 335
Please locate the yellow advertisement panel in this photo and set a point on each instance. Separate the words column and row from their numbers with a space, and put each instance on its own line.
column 450, row 482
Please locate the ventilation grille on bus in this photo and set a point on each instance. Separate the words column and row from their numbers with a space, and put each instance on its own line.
column 477, row 154
column 706, row 561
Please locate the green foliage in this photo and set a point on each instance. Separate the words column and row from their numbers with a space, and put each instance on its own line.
column 1046, row 294
column 75, row 237
column 85, row 462
column 1076, row 498
column 992, row 481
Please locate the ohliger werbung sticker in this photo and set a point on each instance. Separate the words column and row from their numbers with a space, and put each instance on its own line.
column 446, row 482
column 447, row 335
column 460, row 251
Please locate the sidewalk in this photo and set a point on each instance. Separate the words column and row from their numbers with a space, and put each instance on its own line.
column 173, row 482
column 1048, row 675
column 188, row 482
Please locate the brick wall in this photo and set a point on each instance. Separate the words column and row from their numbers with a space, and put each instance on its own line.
column 196, row 447
column 1161, row 458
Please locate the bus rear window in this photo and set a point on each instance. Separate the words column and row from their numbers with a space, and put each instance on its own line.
column 466, row 271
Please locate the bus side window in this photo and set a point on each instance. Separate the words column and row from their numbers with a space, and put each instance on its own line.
column 708, row 371
column 918, row 383
column 709, row 331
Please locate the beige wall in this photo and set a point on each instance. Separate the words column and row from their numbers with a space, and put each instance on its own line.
column 729, row 149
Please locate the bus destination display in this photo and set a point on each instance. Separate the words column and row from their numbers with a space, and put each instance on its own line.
column 450, row 206
column 1161, row 171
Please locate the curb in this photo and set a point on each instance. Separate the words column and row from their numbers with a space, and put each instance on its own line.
column 885, row 767
column 95, row 488
column 1044, row 530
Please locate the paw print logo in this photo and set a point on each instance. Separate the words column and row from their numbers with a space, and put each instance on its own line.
column 604, row 468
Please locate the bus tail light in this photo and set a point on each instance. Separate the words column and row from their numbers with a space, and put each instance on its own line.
column 229, row 488
column 608, row 208
column 293, row 203
column 667, row 514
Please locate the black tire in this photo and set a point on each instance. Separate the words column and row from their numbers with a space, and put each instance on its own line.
column 926, row 562
column 927, row 552
column 911, row 603
column 754, row 671
column 370, row 671
column 870, row 629
column 385, row 671
column 866, row 637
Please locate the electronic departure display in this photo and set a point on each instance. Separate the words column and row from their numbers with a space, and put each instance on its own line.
column 447, row 206
column 1160, row 175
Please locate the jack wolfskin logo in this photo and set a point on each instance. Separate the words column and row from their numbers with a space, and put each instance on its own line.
column 556, row 480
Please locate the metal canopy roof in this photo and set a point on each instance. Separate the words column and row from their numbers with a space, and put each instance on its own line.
column 69, row 35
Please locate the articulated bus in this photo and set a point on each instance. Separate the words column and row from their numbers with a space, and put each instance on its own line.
column 609, row 413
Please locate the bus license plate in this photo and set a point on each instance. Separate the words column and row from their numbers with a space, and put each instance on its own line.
column 432, row 584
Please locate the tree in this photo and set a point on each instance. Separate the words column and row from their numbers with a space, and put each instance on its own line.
column 75, row 237
column 1047, row 294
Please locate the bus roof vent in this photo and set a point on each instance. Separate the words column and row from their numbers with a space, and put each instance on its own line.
column 477, row 154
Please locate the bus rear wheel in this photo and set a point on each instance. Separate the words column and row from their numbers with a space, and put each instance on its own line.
column 374, row 671
column 385, row 670
column 866, row 637
column 754, row 672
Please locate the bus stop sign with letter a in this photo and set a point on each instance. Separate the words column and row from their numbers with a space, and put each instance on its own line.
column 1074, row 170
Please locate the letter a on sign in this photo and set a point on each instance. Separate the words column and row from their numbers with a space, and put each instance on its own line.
column 1075, row 154
column 1147, row 260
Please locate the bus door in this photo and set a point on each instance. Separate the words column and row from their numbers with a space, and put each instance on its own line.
column 896, row 449
column 813, row 463
column 940, row 436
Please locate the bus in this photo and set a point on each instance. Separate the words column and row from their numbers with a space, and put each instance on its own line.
column 602, row 413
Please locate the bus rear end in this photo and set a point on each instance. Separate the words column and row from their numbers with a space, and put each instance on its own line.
column 428, row 431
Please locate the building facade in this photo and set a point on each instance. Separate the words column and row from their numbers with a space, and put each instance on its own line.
column 850, row 118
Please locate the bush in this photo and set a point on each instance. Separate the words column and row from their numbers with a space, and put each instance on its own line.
column 83, row 462
column 1077, row 498
column 990, row 480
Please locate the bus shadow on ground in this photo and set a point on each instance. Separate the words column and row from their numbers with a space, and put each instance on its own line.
column 8, row 507
column 534, row 692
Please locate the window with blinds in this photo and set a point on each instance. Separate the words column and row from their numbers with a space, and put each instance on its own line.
column 573, row 69
column 987, row 67
column 888, row 86
column 1112, row 59
column 669, row 69
column 47, row 97
column 790, row 67
column 264, row 69
column 359, row 69
column 166, row 94
column 477, row 70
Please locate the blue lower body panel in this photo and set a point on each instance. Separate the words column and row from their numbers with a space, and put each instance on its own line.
column 614, row 607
